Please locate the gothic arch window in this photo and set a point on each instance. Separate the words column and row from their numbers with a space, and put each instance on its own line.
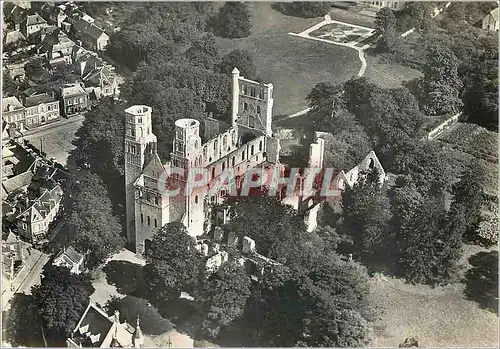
column 251, row 150
column 196, row 162
column 156, row 223
column 215, row 145
column 261, row 93
column 245, row 106
column 252, row 91
column 233, row 161
column 258, row 109
column 156, row 200
column 243, row 155
column 224, row 142
column 196, row 144
column 260, row 146
column 149, row 220
column 223, row 166
column 132, row 131
column 142, row 218
column 196, row 199
column 205, row 152
column 213, row 172
column 245, row 91
column 371, row 164
column 251, row 121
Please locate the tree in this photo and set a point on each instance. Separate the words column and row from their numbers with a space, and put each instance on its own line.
column 241, row 59
column 326, row 102
column 224, row 297
column 366, row 216
column 429, row 247
column 385, row 27
column 204, row 51
column 441, row 85
column 173, row 264
column 487, row 230
column 417, row 15
column 303, row 9
column 468, row 201
column 37, row 69
column 97, row 229
column 61, row 299
column 232, row 21
column 248, row 213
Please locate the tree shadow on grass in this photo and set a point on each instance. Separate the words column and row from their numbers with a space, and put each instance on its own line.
column 482, row 280
column 21, row 323
column 127, row 277
column 152, row 323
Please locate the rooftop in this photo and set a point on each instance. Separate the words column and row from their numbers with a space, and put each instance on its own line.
column 39, row 99
column 11, row 104
column 35, row 19
column 71, row 90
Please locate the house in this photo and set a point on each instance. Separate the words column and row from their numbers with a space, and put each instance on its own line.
column 103, row 79
column 16, row 161
column 393, row 5
column 32, row 24
column 13, row 37
column 98, row 329
column 60, row 50
column 74, row 99
column 71, row 259
column 94, row 37
column 490, row 22
column 34, row 222
column 16, row 70
column 12, row 260
column 41, row 109
column 13, row 14
column 13, row 112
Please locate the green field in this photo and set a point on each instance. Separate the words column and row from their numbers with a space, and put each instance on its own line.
column 293, row 64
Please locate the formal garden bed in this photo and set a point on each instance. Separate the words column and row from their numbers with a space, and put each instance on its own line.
column 340, row 33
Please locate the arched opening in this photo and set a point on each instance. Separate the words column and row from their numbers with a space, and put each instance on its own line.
column 245, row 106
column 196, row 199
column 233, row 160
column 260, row 146
column 196, row 144
column 223, row 166
column 147, row 245
column 213, row 172
column 251, row 121
column 156, row 223
column 142, row 218
column 251, row 150
column 371, row 164
column 258, row 109
column 224, row 142
column 149, row 220
column 243, row 155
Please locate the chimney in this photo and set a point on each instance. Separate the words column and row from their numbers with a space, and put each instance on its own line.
column 236, row 91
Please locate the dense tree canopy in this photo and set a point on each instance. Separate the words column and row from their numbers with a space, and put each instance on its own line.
column 61, row 299
column 173, row 263
column 385, row 27
column 232, row 21
column 98, row 231
column 303, row 8
column 241, row 59
column 224, row 297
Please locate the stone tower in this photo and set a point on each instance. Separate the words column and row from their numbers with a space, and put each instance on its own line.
column 187, row 154
column 138, row 337
column 140, row 144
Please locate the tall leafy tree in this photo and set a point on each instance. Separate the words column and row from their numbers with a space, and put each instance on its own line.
column 204, row 51
column 385, row 27
column 441, row 86
column 326, row 101
column 61, row 299
column 366, row 216
column 224, row 297
column 98, row 231
column 173, row 264
column 241, row 59
column 232, row 21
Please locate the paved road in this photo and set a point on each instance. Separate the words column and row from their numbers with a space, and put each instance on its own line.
column 58, row 125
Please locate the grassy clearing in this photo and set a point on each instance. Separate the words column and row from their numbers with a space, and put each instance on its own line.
column 388, row 75
column 293, row 64
column 440, row 316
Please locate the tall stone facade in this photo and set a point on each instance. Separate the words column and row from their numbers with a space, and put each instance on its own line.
column 150, row 183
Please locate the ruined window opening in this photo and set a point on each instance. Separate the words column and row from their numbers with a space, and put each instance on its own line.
column 243, row 155
column 142, row 218
column 196, row 199
column 258, row 109
column 251, row 121
column 149, row 220
column 371, row 164
column 213, row 172
column 233, row 161
column 156, row 223
column 245, row 106
column 260, row 146
column 251, row 150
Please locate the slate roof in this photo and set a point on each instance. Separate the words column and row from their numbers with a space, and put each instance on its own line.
column 96, row 323
column 88, row 29
column 68, row 257
column 13, row 36
column 39, row 99
column 42, row 206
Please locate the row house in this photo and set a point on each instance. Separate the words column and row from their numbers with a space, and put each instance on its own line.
column 41, row 109
column 74, row 99
column 57, row 47
column 13, row 112
column 34, row 222
column 35, row 110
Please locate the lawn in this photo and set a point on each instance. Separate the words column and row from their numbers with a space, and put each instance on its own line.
column 441, row 316
column 294, row 65
column 388, row 75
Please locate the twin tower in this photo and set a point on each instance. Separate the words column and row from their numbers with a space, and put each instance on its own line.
column 247, row 143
